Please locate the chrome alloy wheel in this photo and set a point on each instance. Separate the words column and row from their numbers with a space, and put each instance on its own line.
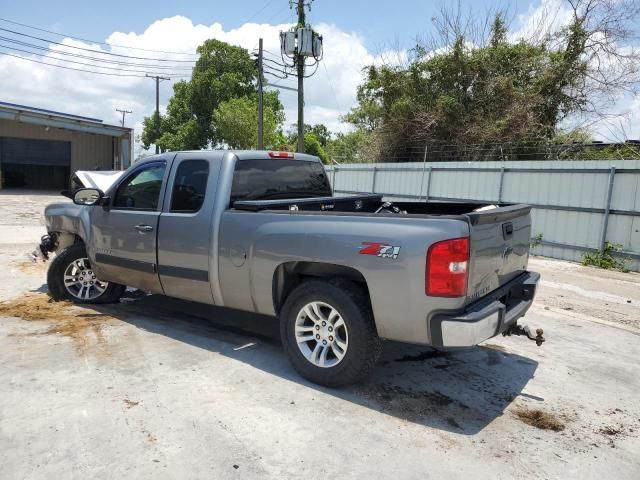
column 321, row 334
column 81, row 282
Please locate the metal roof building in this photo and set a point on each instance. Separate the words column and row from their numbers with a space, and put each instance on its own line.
column 40, row 149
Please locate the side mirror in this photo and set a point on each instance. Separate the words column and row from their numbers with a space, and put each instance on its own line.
column 88, row 196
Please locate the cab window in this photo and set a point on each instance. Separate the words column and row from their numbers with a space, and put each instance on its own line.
column 190, row 186
column 141, row 191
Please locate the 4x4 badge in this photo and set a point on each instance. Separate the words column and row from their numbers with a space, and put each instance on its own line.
column 381, row 250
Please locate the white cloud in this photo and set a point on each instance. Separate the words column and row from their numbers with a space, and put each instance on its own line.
column 547, row 16
column 330, row 93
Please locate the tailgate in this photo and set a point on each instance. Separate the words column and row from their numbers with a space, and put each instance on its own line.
column 499, row 247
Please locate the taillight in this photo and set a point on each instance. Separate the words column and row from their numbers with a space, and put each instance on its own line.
column 446, row 270
column 281, row 154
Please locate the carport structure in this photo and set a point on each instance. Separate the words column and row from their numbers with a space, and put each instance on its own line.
column 40, row 149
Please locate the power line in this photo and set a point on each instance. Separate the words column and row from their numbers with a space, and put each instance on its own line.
column 94, row 51
column 335, row 97
column 118, row 68
column 275, row 63
column 79, row 55
column 274, row 75
column 260, row 11
column 64, row 35
column 278, row 13
column 82, row 70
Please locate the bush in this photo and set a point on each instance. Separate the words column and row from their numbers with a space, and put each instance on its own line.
column 606, row 258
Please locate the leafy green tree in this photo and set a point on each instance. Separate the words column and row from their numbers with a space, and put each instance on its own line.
column 320, row 131
column 222, row 72
column 495, row 98
column 236, row 121
column 348, row 147
column 312, row 146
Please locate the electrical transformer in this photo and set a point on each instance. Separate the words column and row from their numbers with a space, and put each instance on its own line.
column 288, row 42
column 303, row 41
column 317, row 45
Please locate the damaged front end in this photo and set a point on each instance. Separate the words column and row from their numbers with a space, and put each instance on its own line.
column 48, row 244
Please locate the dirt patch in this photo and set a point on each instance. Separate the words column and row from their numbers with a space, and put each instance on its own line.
column 611, row 430
column 64, row 318
column 539, row 419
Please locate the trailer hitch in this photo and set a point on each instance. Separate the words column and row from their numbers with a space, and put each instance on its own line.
column 516, row 329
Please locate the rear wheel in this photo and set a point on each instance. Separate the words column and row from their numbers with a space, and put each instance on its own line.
column 328, row 332
column 71, row 277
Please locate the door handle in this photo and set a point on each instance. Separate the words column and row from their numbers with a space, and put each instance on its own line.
column 144, row 228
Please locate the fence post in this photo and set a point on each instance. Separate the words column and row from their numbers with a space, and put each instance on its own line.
column 333, row 177
column 373, row 184
column 501, row 185
column 424, row 164
column 607, row 209
column 426, row 195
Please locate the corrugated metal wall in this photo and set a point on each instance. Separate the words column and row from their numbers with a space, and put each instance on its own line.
column 88, row 151
column 570, row 198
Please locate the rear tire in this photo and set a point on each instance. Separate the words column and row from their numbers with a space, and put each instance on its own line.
column 328, row 332
column 73, row 262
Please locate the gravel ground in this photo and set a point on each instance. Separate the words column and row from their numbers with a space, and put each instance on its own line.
column 155, row 387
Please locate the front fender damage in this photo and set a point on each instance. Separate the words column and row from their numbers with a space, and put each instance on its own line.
column 66, row 224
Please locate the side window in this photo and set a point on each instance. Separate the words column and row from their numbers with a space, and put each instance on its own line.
column 190, row 186
column 141, row 191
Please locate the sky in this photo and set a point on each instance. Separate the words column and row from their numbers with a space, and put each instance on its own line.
column 356, row 33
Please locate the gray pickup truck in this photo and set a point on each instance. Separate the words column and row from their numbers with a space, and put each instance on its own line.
column 262, row 232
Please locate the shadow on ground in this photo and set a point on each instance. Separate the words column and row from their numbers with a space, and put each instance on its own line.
column 460, row 391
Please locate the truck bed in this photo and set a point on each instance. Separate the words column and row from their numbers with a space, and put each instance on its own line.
column 369, row 203
column 499, row 234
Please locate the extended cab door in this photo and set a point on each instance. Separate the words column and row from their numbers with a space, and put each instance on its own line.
column 185, row 228
column 123, row 235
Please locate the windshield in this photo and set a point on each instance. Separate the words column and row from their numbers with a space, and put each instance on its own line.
column 278, row 179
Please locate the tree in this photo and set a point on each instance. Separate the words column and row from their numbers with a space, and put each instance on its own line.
column 236, row 121
column 222, row 72
column 320, row 131
column 468, row 94
column 312, row 146
column 349, row 147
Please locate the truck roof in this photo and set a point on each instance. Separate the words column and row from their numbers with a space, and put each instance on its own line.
column 239, row 154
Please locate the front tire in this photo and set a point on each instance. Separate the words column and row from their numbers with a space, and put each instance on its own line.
column 70, row 277
column 328, row 332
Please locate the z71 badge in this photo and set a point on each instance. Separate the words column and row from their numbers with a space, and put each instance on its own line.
column 381, row 250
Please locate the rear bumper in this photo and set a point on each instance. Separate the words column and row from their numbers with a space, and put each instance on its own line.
column 487, row 317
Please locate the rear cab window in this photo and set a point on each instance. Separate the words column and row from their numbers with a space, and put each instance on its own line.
column 278, row 179
column 190, row 186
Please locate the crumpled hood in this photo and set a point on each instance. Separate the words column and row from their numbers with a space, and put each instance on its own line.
column 97, row 179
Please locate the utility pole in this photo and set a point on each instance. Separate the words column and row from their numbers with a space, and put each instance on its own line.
column 157, row 116
column 300, row 59
column 260, row 100
column 297, row 44
column 123, row 112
